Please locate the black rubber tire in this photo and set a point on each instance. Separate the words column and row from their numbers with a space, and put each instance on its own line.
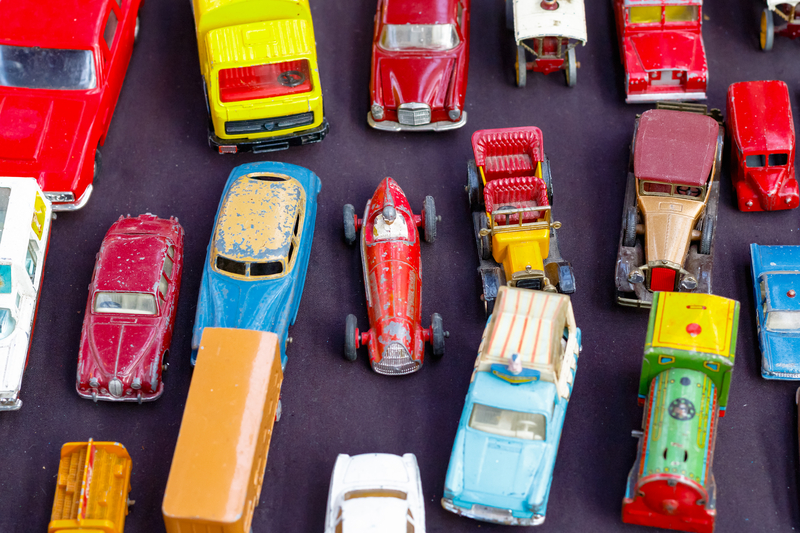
column 98, row 164
column 437, row 335
column 707, row 236
column 766, row 34
column 350, row 327
column 349, row 219
column 547, row 176
column 429, row 207
column 521, row 67
column 571, row 70
column 484, row 242
column 473, row 186
column 509, row 14
column 488, row 307
column 629, row 237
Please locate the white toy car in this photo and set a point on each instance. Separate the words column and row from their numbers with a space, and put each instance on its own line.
column 25, row 216
column 375, row 493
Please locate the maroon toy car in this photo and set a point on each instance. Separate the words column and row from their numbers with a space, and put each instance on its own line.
column 61, row 70
column 127, row 328
column 391, row 259
column 420, row 55
column 661, row 45
column 762, row 152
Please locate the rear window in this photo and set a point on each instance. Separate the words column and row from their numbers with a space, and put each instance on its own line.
column 128, row 303
column 264, row 81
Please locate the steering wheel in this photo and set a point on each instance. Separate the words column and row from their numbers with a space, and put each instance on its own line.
column 291, row 78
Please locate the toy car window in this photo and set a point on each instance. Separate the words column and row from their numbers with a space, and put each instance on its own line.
column 783, row 320
column 680, row 13
column 685, row 190
column 30, row 259
column 268, row 268
column 419, row 36
column 649, row 187
column 755, row 161
column 644, row 14
column 163, row 286
column 171, row 251
column 111, row 29
column 168, row 266
column 231, row 266
column 128, row 303
column 5, row 194
column 7, row 323
column 46, row 68
column 506, row 423
column 777, row 160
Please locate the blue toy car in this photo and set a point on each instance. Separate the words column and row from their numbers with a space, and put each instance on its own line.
column 502, row 462
column 776, row 280
column 258, row 255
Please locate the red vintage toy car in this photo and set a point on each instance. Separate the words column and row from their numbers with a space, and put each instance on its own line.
column 420, row 55
column 391, row 260
column 61, row 71
column 661, row 45
column 127, row 328
column 762, row 154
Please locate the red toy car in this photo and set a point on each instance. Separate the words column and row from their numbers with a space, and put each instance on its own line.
column 420, row 55
column 61, row 71
column 391, row 260
column 127, row 328
column 762, row 154
column 661, row 45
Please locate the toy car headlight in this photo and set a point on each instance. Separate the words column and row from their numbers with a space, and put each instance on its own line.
column 454, row 113
column 377, row 112
column 688, row 283
column 636, row 276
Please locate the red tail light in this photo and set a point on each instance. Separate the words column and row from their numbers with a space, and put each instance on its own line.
column 662, row 279
column 264, row 81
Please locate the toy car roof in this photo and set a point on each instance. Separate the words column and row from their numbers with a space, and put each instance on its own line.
column 527, row 323
column 509, row 141
column 531, row 20
column 775, row 258
column 416, row 12
column 675, row 147
column 762, row 116
column 67, row 24
column 130, row 263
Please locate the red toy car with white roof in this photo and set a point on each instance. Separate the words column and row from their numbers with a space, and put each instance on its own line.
column 127, row 327
column 390, row 256
column 420, row 55
column 61, row 70
column 762, row 153
column 661, row 44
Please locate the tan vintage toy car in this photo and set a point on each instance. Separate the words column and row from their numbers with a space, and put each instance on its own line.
column 670, row 209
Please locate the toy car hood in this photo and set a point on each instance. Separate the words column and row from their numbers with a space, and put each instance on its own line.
column 761, row 123
column 389, row 193
column 668, row 50
column 401, row 82
column 122, row 351
column 531, row 20
column 675, row 147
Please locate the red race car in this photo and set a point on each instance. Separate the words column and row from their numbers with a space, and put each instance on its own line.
column 391, row 260
column 762, row 154
column 661, row 44
column 420, row 55
column 61, row 71
column 127, row 328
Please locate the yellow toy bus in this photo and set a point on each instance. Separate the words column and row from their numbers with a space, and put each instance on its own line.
column 218, row 467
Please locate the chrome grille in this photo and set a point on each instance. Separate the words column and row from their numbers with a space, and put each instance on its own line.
column 395, row 361
column 414, row 114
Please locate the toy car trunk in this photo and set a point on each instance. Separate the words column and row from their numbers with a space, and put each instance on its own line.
column 505, row 449
column 259, row 64
column 781, row 17
column 762, row 153
column 234, row 399
column 686, row 374
column 94, row 479
column 548, row 31
column 510, row 194
column 25, row 217
column 670, row 209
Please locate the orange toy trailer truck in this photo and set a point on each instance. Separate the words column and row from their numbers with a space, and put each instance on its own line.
column 94, row 479
column 218, row 467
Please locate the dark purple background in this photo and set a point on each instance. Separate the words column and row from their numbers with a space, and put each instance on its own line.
column 156, row 160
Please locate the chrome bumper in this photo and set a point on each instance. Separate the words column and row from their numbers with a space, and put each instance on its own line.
column 492, row 514
column 656, row 97
column 75, row 205
column 388, row 125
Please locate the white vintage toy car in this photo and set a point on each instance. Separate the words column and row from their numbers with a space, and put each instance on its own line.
column 25, row 216
column 375, row 493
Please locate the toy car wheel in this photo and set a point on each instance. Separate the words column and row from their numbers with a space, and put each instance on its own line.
column 706, row 236
column 350, row 338
column 571, row 70
column 767, row 30
column 484, row 241
column 473, row 186
column 510, row 14
column 349, row 219
column 547, row 176
column 437, row 335
column 629, row 237
column 429, row 207
column 98, row 164
column 521, row 66
column 488, row 306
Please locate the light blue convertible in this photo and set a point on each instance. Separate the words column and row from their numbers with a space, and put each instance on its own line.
column 258, row 255
column 502, row 462
column 776, row 280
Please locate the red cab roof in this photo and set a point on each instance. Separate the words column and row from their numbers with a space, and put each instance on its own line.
column 420, row 11
column 675, row 147
column 761, row 115
column 52, row 24
column 131, row 263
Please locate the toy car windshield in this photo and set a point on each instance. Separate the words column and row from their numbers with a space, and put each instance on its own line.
column 691, row 192
column 419, row 37
column 507, row 423
column 129, row 303
column 771, row 160
column 46, row 68
column 783, row 320
column 250, row 269
column 653, row 14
